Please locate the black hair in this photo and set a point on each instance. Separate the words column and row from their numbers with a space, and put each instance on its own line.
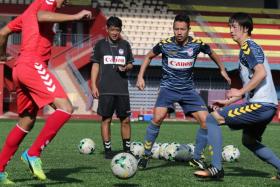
column 244, row 20
column 114, row 21
column 182, row 17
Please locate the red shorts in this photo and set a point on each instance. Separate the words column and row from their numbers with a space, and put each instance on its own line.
column 36, row 86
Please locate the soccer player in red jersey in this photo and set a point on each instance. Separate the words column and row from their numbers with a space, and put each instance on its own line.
column 37, row 86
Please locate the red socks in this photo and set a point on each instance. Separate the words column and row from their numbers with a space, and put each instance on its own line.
column 11, row 145
column 54, row 122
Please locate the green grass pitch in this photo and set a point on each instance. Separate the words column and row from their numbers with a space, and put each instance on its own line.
column 64, row 166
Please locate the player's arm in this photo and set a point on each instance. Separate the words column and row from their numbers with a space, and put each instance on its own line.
column 258, row 76
column 94, row 75
column 95, row 60
column 4, row 33
column 47, row 16
column 221, row 66
column 222, row 103
column 147, row 60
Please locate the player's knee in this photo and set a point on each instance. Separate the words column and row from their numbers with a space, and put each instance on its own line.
column 125, row 121
column 106, row 121
column 248, row 141
column 217, row 117
column 66, row 108
column 63, row 104
column 69, row 109
column 26, row 123
column 158, row 120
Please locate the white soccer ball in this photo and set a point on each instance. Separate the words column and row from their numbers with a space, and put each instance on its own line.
column 184, row 153
column 137, row 149
column 171, row 151
column 192, row 146
column 124, row 165
column 155, row 150
column 86, row 146
column 230, row 153
column 162, row 150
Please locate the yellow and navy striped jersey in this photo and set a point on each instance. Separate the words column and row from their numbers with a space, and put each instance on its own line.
column 178, row 61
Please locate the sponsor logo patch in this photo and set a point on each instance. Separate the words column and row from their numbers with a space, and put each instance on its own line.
column 176, row 63
column 118, row 60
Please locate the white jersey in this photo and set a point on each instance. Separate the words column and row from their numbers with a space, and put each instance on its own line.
column 250, row 55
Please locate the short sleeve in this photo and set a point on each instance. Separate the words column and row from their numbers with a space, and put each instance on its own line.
column 253, row 54
column 130, row 58
column 96, row 55
column 48, row 5
column 16, row 24
column 157, row 48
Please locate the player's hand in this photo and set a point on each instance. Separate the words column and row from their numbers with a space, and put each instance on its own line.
column 213, row 107
column 122, row 68
column 225, row 75
column 84, row 14
column 218, row 104
column 140, row 83
column 5, row 58
column 234, row 93
column 95, row 92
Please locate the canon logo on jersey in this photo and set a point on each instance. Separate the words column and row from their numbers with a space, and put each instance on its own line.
column 177, row 63
column 119, row 60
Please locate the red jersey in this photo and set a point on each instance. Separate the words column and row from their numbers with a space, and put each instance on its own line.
column 37, row 37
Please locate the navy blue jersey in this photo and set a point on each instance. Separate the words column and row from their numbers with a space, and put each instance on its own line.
column 178, row 62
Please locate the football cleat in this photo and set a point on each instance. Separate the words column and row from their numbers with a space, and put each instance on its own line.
column 108, row 155
column 276, row 177
column 210, row 172
column 143, row 162
column 4, row 179
column 35, row 165
column 200, row 164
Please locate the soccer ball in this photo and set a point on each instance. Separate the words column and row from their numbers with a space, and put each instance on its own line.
column 155, row 150
column 137, row 149
column 86, row 146
column 230, row 153
column 162, row 150
column 184, row 153
column 124, row 165
column 192, row 146
column 171, row 151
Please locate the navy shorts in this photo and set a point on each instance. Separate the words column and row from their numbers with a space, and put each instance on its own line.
column 251, row 117
column 108, row 104
column 189, row 100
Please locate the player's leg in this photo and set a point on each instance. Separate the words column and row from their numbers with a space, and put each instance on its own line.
column 106, row 108
column 215, row 170
column 192, row 103
column 13, row 140
column 44, row 89
column 62, row 113
column 152, row 132
column 166, row 98
column 201, row 140
column 125, row 133
column 252, row 137
column 264, row 153
column 123, row 112
column 243, row 116
column 27, row 116
column 106, row 137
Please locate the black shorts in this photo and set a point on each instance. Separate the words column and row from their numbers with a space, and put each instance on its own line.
column 108, row 104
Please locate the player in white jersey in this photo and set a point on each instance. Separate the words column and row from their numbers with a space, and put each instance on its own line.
column 259, row 107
